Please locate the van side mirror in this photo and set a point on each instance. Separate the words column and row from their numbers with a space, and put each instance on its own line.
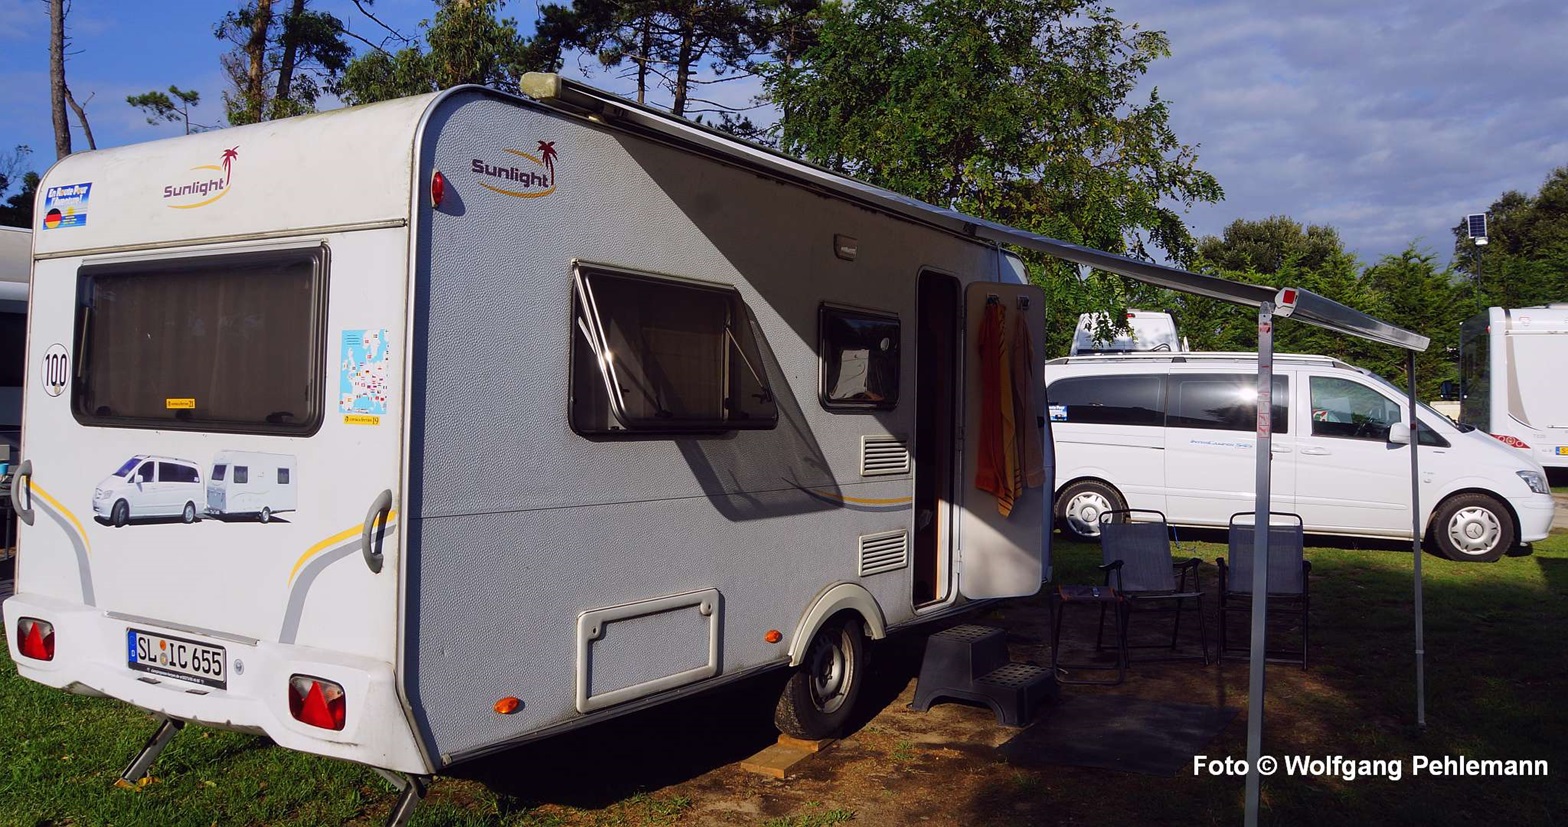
column 1446, row 390
column 1399, row 434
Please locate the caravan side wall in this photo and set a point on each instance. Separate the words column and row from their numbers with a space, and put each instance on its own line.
column 522, row 530
column 1511, row 359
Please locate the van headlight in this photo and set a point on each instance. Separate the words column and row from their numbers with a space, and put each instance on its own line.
column 100, row 494
column 1536, row 482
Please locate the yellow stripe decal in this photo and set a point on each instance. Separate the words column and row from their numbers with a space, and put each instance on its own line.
column 864, row 500
column 65, row 512
column 331, row 541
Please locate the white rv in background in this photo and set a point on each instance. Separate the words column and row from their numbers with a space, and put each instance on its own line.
column 1512, row 368
column 1147, row 330
column 15, row 258
column 583, row 408
column 251, row 483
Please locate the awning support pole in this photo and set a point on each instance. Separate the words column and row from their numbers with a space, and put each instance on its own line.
column 1260, row 558
column 1415, row 544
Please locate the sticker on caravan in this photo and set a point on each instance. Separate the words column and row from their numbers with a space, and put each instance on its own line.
column 520, row 182
column 362, row 377
column 180, row 404
column 1058, row 413
column 203, row 187
column 66, row 206
column 57, row 369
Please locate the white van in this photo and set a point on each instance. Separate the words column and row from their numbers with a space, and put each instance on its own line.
column 1175, row 433
column 149, row 486
column 251, row 483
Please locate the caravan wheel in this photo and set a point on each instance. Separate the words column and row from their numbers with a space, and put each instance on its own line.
column 820, row 696
column 265, row 515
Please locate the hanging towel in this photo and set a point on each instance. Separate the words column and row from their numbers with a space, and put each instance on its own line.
column 991, row 464
column 1026, row 398
column 1012, row 472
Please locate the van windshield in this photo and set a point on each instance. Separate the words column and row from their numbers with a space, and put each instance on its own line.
column 128, row 467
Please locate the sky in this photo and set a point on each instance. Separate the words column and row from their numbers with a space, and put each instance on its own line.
column 1387, row 120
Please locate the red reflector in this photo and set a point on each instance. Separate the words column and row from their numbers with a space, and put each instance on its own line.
column 1511, row 441
column 437, row 189
column 318, row 702
column 35, row 638
column 1290, row 295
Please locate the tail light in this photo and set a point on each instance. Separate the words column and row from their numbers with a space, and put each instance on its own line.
column 35, row 638
column 318, row 702
column 1511, row 441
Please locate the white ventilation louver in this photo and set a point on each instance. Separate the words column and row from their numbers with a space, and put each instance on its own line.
column 883, row 551
column 881, row 455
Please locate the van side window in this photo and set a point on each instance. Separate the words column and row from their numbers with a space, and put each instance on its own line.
column 144, row 473
column 1108, row 400
column 1225, row 401
column 173, row 472
column 229, row 344
column 860, row 358
column 241, row 474
column 283, row 476
column 1350, row 410
column 659, row 355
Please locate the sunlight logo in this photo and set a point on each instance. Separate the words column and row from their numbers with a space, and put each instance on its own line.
column 524, row 182
column 207, row 187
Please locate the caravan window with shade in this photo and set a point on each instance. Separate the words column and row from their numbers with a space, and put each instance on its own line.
column 215, row 343
column 859, row 358
column 660, row 355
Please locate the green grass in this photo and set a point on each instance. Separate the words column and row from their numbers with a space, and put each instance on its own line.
column 814, row 816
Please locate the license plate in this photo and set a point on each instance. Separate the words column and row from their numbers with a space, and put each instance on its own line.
column 178, row 658
column 1562, row 450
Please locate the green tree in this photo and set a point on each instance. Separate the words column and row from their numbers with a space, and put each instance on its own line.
column 282, row 60
column 466, row 42
column 160, row 106
column 17, row 211
column 1525, row 261
column 1021, row 112
column 1410, row 291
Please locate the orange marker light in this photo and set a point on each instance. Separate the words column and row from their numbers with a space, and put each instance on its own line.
column 507, row 705
column 773, row 636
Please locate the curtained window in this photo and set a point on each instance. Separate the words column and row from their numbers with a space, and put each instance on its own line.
column 860, row 357
column 219, row 343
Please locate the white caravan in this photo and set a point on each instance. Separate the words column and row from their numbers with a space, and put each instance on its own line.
column 252, row 484
column 1512, row 363
column 15, row 258
column 1147, row 330
column 149, row 486
column 1176, row 434
column 590, row 407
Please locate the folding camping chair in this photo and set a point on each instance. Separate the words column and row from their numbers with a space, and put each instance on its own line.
column 1287, row 578
column 1138, row 564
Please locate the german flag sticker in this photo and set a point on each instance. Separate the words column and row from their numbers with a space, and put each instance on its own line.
column 52, row 219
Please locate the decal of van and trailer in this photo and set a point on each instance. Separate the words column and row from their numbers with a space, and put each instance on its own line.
column 240, row 484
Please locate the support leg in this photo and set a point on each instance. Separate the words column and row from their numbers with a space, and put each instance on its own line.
column 143, row 760
column 413, row 789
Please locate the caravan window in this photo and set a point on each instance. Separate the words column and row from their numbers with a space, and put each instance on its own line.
column 860, row 357
column 657, row 355
column 283, row 476
column 218, row 472
column 241, row 474
column 215, row 343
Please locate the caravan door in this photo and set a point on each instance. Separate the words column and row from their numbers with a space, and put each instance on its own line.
column 1001, row 555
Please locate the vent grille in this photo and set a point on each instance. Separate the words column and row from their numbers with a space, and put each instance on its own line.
column 880, row 455
column 884, row 551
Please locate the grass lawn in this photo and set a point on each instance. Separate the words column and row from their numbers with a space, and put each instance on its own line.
column 1497, row 682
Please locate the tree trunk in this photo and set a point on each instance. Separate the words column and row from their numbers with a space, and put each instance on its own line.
column 285, row 89
column 256, row 50
column 683, row 69
column 643, row 57
column 81, row 115
column 62, row 126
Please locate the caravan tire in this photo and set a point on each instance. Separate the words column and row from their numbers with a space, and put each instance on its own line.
column 820, row 695
column 189, row 514
column 1473, row 528
column 120, row 514
column 265, row 515
column 1079, row 506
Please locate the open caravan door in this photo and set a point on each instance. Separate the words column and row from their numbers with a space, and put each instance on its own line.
column 1005, row 487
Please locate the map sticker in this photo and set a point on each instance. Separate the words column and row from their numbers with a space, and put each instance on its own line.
column 362, row 377
column 66, row 206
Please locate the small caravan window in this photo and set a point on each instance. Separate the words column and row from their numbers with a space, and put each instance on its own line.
column 218, row 471
column 283, row 476
column 213, row 343
column 657, row 355
column 241, row 474
column 860, row 358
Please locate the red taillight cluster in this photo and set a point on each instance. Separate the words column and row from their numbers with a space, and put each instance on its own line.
column 318, row 702
column 1511, row 441
column 35, row 638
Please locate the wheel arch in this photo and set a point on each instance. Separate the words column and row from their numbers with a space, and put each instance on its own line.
column 840, row 597
column 1426, row 532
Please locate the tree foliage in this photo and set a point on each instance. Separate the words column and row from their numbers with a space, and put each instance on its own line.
column 282, row 61
column 173, row 106
column 466, row 42
column 1525, row 261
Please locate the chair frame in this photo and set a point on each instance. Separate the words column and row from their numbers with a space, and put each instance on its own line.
column 1187, row 568
column 1286, row 603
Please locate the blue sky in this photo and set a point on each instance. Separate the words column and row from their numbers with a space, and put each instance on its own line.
column 1388, row 120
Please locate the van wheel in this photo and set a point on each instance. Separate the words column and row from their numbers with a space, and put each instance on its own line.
column 189, row 515
column 821, row 694
column 120, row 514
column 265, row 515
column 1079, row 506
column 1472, row 528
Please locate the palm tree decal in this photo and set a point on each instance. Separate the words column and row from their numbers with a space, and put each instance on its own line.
column 228, row 158
column 547, row 152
